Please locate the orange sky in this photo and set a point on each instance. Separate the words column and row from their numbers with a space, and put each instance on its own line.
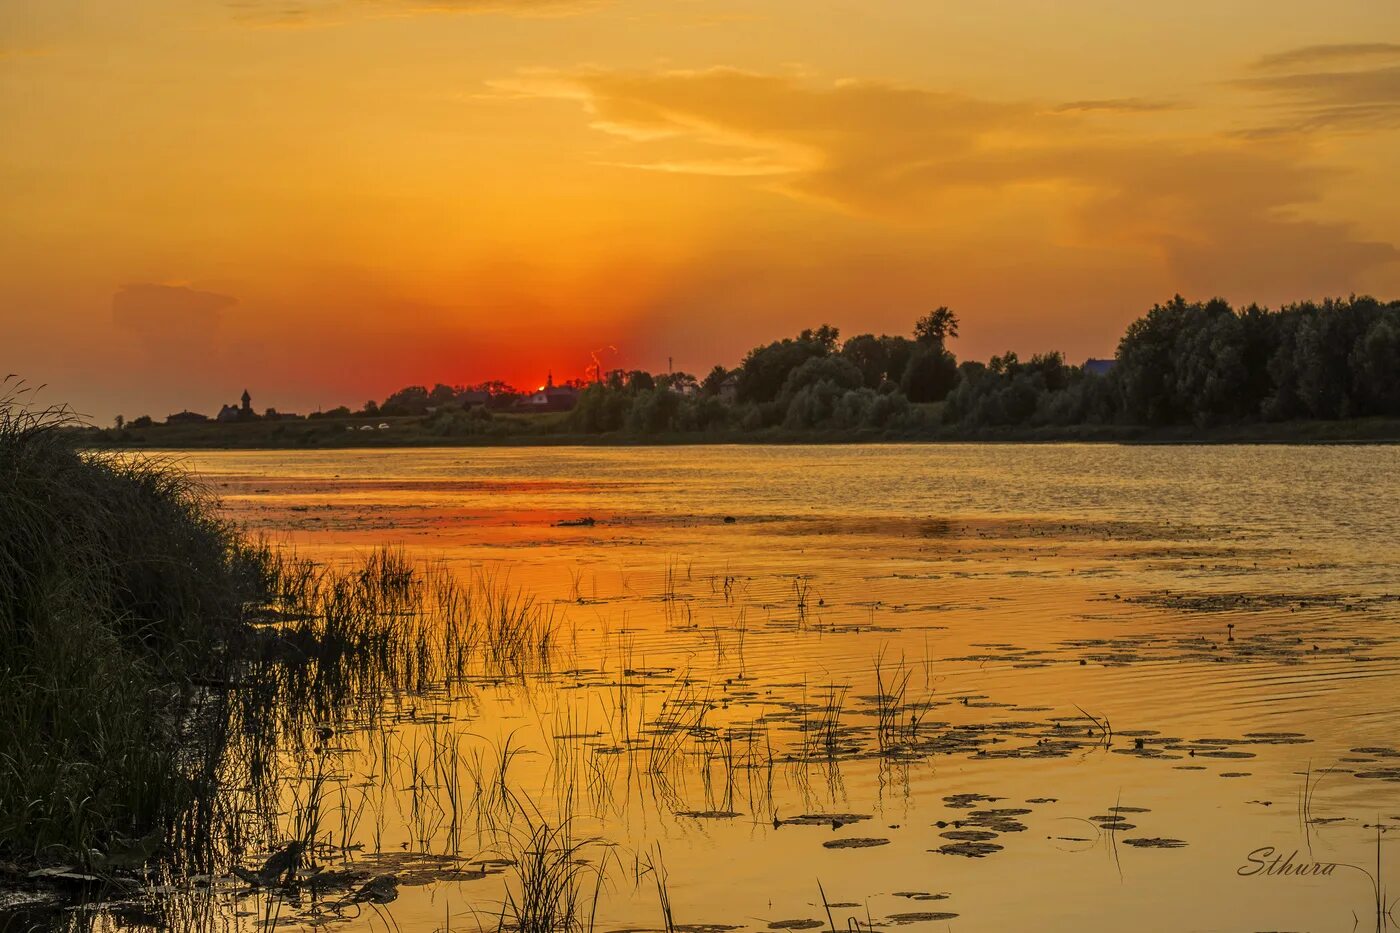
column 323, row 200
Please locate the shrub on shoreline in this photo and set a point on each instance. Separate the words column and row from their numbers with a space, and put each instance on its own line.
column 153, row 660
column 119, row 590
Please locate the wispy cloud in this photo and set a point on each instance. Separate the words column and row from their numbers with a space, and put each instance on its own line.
column 1215, row 208
column 1119, row 105
column 1358, row 100
column 1314, row 56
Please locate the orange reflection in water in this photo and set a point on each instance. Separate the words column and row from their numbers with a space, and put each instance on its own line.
column 1227, row 616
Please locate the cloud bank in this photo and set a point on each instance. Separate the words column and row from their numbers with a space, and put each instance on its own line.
column 1220, row 210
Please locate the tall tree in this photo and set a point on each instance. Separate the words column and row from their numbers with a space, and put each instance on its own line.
column 931, row 374
column 936, row 327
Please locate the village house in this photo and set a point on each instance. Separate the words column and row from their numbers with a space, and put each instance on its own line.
column 1099, row 367
column 186, row 417
column 550, row 397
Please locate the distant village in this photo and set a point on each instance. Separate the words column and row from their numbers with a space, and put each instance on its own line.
column 416, row 400
column 419, row 400
column 1191, row 365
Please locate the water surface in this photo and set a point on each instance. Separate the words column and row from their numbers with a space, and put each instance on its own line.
column 1187, row 634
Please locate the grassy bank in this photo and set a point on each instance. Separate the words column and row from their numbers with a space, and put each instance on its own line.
column 161, row 672
column 550, row 430
column 119, row 592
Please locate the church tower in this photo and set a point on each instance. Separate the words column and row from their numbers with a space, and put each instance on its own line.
column 247, row 408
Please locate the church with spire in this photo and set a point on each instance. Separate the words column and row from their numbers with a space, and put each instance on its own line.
column 242, row 412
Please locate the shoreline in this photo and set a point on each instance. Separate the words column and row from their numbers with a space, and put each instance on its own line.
column 408, row 433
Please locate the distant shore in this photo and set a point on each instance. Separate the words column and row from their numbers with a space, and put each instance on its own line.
column 413, row 432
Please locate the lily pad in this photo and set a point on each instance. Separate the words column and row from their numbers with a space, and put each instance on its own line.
column 855, row 842
column 969, row 849
column 824, row 819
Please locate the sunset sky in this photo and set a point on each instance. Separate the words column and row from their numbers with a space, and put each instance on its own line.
column 324, row 200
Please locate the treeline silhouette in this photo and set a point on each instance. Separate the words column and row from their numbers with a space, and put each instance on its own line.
column 1199, row 364
column 1183, row 363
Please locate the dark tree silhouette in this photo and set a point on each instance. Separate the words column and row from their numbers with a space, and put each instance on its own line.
column 871, row 356
column 931, row 374
column 1182, row 363
column 937, row 326
column 714, row 381
column 765, row 369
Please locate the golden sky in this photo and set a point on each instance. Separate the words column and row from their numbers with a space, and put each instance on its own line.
column 324, row 200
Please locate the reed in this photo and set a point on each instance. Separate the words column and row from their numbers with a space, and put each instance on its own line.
column 822, row 735
column 164, row 674
column 897, row 720
column 549, row 891
column 121, row 595
column 801, row 590
column 655, row 866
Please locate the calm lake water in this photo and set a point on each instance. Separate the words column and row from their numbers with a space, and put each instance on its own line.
column 1082, row 650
